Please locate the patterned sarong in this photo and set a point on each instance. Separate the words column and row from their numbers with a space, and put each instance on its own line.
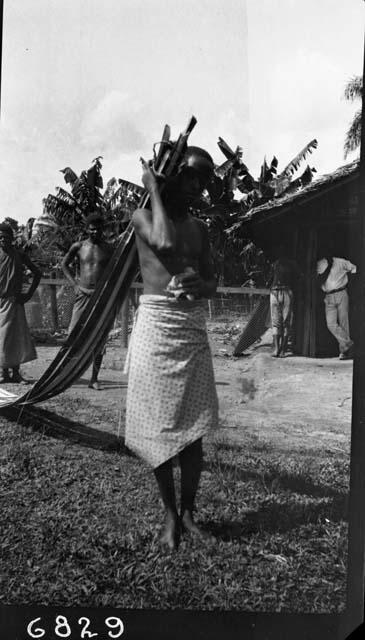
column 171, row 398
column 16, row 343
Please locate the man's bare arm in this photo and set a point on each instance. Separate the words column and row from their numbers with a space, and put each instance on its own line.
column 67, row 261
column 154, row 228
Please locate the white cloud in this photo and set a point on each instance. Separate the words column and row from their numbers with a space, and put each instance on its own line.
column 111, row 125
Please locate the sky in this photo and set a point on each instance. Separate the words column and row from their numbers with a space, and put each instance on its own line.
column 84, row 78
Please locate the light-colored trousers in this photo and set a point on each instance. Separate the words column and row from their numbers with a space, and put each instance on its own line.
column 281, row 306
column 337, row 318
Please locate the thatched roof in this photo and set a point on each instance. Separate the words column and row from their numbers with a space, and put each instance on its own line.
column 315, row 189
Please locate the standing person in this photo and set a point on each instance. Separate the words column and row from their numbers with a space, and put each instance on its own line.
column 286, row 275
column 16, row 344
column 171, row 399
column 332, row 275
column 92, row 255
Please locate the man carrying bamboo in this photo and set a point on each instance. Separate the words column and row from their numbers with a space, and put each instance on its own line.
column 171, row 399
column 92, row 255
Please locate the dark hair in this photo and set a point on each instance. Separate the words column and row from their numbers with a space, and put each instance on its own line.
column 6, row 228
column 198, row 159
column 94, row 218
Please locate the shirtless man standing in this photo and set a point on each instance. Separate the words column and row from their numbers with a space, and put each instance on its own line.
column 171, row 398
column 92, row 255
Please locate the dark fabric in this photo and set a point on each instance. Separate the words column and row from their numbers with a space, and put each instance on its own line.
column 322, row 277
column 257, row 324
column 327, row 293
column 285, row 274
column 10, row 273
column 16, row 343
column 81, row 302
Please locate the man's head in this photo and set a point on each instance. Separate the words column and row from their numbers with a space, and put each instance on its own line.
column 324, row 252
column 6, row 235
column 195, row 172
column 94, row 226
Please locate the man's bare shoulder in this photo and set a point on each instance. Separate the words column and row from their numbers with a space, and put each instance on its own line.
column 76, row 246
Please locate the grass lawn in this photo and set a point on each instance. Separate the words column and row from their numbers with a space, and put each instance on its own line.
column 80, row 526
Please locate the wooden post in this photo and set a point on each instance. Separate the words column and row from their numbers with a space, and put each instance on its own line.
column 124, row 317
column 210, row 308
column 53, row 305
column 354, row 613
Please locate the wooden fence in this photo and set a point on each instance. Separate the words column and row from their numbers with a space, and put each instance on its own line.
column 51, row 306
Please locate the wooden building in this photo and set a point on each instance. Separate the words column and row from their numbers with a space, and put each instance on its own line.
column 322, row 214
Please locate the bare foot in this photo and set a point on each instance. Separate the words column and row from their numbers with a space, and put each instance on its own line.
column 18, row 379
column 190, row 526
column 170, row 536
column 275, row 354
column 94, row 385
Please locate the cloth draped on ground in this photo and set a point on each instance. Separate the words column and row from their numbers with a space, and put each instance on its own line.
column 16, row 343
column 171, row 398
column 92, row 328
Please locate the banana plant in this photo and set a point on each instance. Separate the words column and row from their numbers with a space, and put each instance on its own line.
column 64, row 213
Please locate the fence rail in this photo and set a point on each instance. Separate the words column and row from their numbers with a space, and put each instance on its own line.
column 50, row 309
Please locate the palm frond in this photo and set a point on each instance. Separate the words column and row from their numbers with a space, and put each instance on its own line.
column 353, row 89
column 69, row 175
column 295, row 163
column 66, row 197
column 111, row 188
column 353, row 134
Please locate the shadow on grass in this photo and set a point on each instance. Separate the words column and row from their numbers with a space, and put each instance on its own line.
column 63, row 428
column 286, row 480
column 275, row 518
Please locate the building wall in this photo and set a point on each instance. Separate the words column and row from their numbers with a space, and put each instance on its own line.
column 328, row 220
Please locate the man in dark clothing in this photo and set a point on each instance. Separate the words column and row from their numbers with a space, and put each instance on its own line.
column 16, row 343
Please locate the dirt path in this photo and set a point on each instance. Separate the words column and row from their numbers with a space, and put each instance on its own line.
column 292, row 403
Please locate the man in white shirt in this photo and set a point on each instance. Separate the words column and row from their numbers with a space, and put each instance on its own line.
column 333, row 278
